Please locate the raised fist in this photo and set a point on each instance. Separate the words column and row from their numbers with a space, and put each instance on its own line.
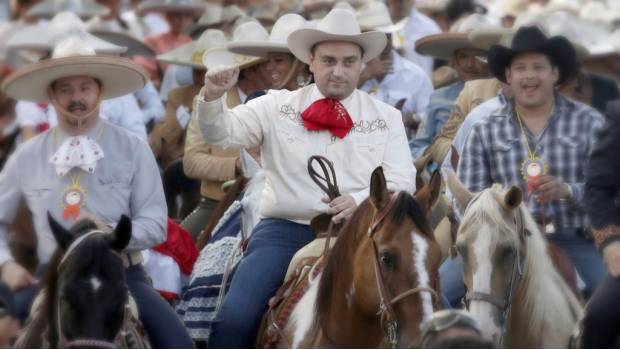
column 219, row 80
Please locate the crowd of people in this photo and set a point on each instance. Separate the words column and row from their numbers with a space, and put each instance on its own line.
column 152, row 108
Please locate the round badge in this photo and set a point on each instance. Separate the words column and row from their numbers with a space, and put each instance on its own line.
column 73, row 197
column 533, row 168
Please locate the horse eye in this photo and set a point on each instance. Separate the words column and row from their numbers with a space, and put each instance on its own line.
column 506, row 251
column 388, row 260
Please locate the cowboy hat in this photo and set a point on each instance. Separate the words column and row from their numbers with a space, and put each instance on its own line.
column 73, row 57
column 135, row 46
column 64, row 24
column 82, row 8
column 221, row 56
column 376, row 16
column 191, row 53
column 276, row 42
column 211, row 17
column 193, row 6
column 444, row 45
column 431, row 6
column 532, row 39
column 338, row 25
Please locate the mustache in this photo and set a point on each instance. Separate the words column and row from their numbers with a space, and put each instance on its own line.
column 76, row 105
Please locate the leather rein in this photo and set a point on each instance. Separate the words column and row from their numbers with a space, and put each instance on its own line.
column 386, row 313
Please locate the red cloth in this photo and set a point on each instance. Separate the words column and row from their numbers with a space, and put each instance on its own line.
column 328, row 114
column 179, row 246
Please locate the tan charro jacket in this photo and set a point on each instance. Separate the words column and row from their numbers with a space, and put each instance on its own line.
column 473, row 94
column 211, row 164
column 167, row 139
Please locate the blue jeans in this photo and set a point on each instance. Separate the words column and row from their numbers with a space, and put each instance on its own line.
column 161, row 323
column 582, row 253
column 259, row 275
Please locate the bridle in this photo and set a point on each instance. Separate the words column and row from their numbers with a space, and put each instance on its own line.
column 503, row 304
column 389, row 322
column 63, row 343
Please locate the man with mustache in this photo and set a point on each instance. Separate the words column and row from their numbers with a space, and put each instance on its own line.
column 86, row 166
column 540, row 141
column 331, row 118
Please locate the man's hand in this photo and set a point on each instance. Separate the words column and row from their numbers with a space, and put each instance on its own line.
column 220, row 80
column 15, row 276
column 377, row 68
column 611, row 257
column 551, row 188
column 342, row 207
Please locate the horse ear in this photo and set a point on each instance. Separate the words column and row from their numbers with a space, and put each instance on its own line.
column 512, row 199
column 121, row 235
column 63, row 236
column 379, row 195
column 428, row 195
column 459, row 191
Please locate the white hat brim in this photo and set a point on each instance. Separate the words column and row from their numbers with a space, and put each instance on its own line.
column 443, row 46
column 135, row 46
column 257, row 48
column 389, row 29
column 198, row 9
column 119, row 76
column 46, row 9
column 31, row 38
column 220, row 56
column 300, row 42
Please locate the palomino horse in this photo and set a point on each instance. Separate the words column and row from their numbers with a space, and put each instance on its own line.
column 514, row 290
column 379, row 281
column 85, row 295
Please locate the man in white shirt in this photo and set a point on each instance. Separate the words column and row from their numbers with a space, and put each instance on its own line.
column 416, row 27
column 330, row 118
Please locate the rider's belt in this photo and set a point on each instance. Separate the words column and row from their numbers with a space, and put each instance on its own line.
column 131, row 259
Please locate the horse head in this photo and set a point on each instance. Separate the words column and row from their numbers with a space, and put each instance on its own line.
column 89, row 294
column 491, row 242
column 390, row 279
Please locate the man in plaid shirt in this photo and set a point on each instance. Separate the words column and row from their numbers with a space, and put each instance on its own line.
column 540, row 127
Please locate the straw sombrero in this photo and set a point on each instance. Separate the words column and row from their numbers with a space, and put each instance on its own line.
column 376, row 16
column 444, row 45
column 258, row 45
column 64, row 24
column 135, row 46
column 73, row 57
column 338, row 25
column 82, row 8
column 192, row 6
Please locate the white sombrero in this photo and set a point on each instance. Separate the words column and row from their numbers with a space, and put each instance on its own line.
column 193, row 6
column 135, row 46
column 191, row 53
column 376, row 16
column 431, row 6
column 82, row 8
column 72, row 57
column 444, row 45
column 338, row 25
column 276, row 42
column 63, row 25
column 221, row 56
column 211, row 17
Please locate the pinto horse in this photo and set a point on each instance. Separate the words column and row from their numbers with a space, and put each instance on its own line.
column 85, row 293
column 514, row 290
column 379, row 282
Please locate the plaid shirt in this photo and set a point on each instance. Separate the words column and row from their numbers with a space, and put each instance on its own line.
column 496, row 149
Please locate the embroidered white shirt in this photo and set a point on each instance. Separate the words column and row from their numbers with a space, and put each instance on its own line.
column 274, row 122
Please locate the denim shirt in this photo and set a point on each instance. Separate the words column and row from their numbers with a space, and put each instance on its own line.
column 436, row 114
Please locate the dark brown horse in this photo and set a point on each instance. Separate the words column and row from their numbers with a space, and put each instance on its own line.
column 380, row 280
column 84, row 292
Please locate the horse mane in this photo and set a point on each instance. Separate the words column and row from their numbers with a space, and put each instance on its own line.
column 229, row 197
column 350, row 237
column 548, row 301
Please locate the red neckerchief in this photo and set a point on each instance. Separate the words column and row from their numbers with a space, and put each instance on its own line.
column 327, row 114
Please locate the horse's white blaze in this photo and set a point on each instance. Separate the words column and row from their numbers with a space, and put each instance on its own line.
column 303, row 314
column 95, row 283
column 420, row 250
column 482, row 310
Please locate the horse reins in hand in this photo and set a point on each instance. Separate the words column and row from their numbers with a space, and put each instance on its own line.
column 328, row 183
column 389, row 321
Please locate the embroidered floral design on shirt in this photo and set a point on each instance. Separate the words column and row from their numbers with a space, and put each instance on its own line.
column 288, row 112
